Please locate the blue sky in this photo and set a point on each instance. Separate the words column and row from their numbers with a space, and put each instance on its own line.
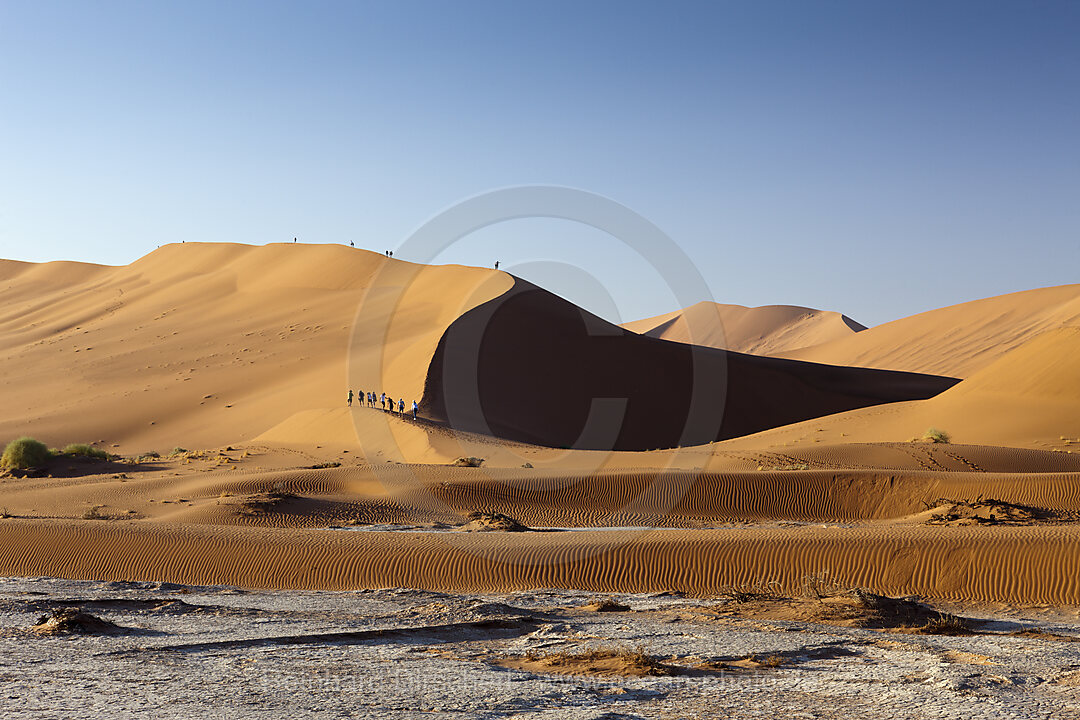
column 876, row 158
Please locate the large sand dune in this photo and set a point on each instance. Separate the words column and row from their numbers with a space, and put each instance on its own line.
column 767, row 330
column 243, row 354
column 954, row 341
column 533, row 367
column 199, row 342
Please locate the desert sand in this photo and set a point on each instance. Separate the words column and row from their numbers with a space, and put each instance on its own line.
column 216, row 375
column 769, row 330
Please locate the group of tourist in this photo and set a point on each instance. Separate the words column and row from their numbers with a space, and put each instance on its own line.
column 374, row 398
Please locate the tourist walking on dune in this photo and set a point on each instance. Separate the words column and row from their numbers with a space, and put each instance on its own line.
column 401, row 405
column 383, row 401
column 350, row 398
column 415, row 407
column 496, row 264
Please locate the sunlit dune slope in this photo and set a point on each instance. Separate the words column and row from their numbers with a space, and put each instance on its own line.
column 954, row 341
column 533, row 367
column 1029, row 397
column 200, row 344
column 766, row 330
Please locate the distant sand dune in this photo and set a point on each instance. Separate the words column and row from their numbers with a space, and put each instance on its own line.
column 1029, row 397
column 957, row 340
column 767, row 330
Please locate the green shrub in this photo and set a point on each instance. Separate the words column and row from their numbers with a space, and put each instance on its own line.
column 84, row 450
column 24, row 453
column 935, row 435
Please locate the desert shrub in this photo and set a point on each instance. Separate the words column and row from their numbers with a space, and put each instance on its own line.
column 935, row 435
column 945, row 624
column 178, row 451
column 24, row 453
column 84, row 450
column 469, row 462
column 94, row 513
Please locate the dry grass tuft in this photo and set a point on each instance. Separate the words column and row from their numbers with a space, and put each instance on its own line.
column 468, row 462
column 84, row 450
column 945, row 624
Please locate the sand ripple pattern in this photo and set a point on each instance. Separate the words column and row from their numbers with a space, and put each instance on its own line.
column 1030, row 564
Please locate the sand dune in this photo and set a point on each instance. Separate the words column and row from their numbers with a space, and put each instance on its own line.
column 533, row 367
column 1029, row 397
column 767, row 330
column 242, row 354
column 199, row 342
column 954, row 341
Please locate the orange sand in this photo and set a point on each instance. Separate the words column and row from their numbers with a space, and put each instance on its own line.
column 243, row 355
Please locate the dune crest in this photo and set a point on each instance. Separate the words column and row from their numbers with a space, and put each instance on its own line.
column 766, row 330
column 201, row 343
column 955, row 341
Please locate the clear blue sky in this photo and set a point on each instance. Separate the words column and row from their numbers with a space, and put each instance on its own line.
column 876, row 158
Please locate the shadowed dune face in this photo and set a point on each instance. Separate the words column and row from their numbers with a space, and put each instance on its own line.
column 532, row 367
